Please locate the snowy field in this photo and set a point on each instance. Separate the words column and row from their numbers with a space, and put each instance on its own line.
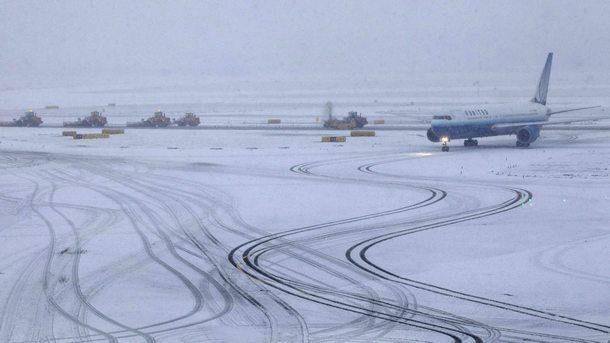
column 273, row 236
column 400, row 100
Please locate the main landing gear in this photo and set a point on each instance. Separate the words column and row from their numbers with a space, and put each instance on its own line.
column 471, row 142
column 522, row 144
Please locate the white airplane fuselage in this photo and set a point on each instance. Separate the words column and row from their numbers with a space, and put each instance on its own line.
column 482, row 121
column 522, row 119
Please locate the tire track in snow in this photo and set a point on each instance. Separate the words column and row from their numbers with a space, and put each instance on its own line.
column 46, row 279
column 402, row 309
column 357, row 255
column 75, row 277
column 248, row 257
column 183, row 326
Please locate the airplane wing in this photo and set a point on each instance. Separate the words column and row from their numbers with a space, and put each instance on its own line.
column 542, row 123
column 573, row 109
column 518, row 125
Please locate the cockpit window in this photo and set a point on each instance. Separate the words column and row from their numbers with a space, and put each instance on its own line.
column 442, row 117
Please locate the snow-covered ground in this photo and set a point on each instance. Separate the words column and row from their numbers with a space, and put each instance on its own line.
column 273, row 236
column 398, row 99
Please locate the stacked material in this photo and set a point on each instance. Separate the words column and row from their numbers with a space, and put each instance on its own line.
column 68, row 133
column 91, row 135
column 51, row 107
column 328, row 139
column 274, row 121
column 378, row 121
column 363, row 133
column 113, row 131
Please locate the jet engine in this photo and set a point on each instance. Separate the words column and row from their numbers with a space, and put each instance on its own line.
column 527, row 135
column 432, row 137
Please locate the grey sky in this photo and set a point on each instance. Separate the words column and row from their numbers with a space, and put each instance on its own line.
column 88, row 40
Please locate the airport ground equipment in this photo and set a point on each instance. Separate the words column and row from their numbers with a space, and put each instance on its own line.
column 333, row 139
column 362, row 133
column 95, row 119
column 91, row 135
column 113, row 131
column 28, row 119
column 354, row 120
column 158, row 119
column 189, row 119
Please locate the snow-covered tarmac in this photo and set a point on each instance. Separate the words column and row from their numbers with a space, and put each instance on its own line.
column 273, row 236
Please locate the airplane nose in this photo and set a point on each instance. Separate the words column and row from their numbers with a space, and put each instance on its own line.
column 432, row 137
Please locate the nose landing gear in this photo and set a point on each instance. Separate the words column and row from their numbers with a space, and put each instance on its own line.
column 445, row 140
column 471, row 142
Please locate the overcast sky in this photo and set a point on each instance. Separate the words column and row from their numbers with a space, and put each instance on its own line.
column 65, row 40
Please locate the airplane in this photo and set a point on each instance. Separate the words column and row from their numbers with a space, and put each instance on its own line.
column 522, row 119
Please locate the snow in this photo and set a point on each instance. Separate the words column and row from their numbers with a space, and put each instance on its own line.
column 157, row 214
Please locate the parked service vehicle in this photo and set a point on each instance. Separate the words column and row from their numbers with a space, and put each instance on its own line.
column 352, row 121
column 158, row 119
column 189, row 119
column 28, row 119
column 95, row 119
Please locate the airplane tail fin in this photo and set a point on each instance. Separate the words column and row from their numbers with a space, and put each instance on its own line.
column 543, row 84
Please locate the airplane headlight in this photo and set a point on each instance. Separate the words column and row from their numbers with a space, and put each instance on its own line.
column 444, row 139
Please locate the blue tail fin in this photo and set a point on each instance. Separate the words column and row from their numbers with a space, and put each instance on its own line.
column 543, row 84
